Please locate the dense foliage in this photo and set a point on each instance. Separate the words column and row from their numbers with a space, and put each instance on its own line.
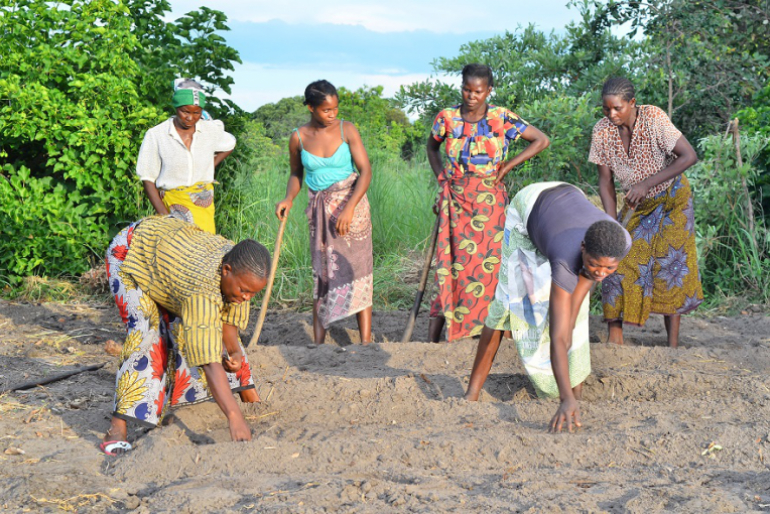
column 733, row 242
column 382, row 124
column 706, row 58
column 82, row 80
column 191, row 46
column 69, row 122
column 755, row 119
column 80, row 83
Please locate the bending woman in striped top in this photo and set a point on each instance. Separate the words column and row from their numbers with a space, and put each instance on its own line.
column 183, row 294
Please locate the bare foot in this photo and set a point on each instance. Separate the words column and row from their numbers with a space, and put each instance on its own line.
column 117, row 430
column 472, row 396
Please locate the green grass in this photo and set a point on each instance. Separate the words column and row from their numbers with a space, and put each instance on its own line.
column 734, row 262
column 401, row 196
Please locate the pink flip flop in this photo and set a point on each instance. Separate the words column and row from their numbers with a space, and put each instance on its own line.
column 109, row 447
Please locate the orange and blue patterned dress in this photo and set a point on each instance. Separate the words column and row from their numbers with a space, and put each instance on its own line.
column 471, row 215
column 164, row 274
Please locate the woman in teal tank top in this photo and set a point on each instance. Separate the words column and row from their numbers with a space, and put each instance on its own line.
column 326, row 152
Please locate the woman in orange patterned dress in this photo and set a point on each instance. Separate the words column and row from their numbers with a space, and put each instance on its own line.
column 472, row 201
column 640, row 147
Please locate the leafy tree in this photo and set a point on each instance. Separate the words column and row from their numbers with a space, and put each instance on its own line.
column 188, row 47
column 70, row 121
column 707, row 58
column 281, row 118
column 74, row 106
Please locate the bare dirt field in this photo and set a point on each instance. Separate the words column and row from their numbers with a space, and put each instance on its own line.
column 349, row 428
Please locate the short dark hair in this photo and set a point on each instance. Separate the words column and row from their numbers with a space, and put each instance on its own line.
column 248, row 256
column 619, row 86
column 605, row 238
column 478, row 71
column 316, row 92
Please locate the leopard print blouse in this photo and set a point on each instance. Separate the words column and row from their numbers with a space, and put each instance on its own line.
column 650, row 150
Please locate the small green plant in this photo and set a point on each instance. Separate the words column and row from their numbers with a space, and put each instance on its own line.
column 732, row 236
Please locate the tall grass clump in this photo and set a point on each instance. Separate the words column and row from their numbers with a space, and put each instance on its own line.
column 732, row 233
column 401, row 196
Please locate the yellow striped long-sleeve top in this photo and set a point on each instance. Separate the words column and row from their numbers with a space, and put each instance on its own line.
column 179, row 266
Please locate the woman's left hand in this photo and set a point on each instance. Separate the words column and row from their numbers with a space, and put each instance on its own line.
column 502, row 172
column 345, row 219
column 637, row 193
column 234, row 362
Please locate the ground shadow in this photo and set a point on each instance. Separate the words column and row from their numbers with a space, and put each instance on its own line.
column 653, row 333
column 91, row 324
column 292, row 332
column 507, row 387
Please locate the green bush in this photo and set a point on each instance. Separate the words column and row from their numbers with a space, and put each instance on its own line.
column 70, row 125
column 50, row 228
column 76, row 102
column 568, row 122
column 756, row 119
column 733, row 240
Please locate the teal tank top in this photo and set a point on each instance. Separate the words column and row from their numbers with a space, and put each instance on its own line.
column 322, row 172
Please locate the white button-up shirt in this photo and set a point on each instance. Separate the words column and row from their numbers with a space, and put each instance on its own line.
column 165, row 160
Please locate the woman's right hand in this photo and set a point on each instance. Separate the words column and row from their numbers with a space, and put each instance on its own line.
column 567, row 412
column 282, row 208
column 239, row 429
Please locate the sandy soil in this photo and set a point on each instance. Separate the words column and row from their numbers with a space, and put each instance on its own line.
column 348, row 428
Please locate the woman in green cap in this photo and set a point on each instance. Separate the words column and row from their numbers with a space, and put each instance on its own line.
column 177, row 159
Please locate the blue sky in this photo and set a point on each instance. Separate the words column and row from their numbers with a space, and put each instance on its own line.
column 287, row 44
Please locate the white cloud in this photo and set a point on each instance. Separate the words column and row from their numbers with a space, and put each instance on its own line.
column 452, row 16
column 257, row 84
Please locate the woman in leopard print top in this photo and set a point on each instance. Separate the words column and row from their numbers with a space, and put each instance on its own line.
column 638, row 146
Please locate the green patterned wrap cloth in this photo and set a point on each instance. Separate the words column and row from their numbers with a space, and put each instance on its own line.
column 522, row 298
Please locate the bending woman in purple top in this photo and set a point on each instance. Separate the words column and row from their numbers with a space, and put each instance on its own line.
column 556, row 246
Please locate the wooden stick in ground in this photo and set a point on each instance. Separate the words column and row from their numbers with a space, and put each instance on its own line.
column 270, row 280
column 744, row 185
column 423, row 282
column 54, row 378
